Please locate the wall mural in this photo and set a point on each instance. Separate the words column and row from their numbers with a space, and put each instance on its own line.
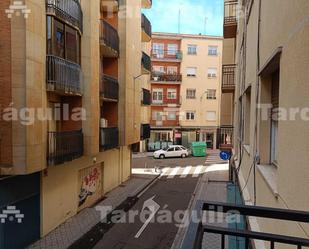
column 90, row 183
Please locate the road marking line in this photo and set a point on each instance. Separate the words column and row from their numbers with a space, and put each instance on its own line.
column 186, row 172
column 197, row 171
column 173, row 173
column 165, row 170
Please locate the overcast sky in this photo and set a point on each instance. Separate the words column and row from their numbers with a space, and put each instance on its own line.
column 164, row 16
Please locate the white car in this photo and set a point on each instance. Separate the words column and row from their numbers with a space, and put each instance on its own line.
column 172, row 151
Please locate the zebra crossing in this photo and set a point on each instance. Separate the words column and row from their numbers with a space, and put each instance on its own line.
column 192, row 171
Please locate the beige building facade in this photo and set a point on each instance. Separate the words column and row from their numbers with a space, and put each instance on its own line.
column 186, row 89
column 80, row 68
column 271, row 108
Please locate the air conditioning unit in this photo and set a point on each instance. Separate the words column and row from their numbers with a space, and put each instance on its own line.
column 103, row 123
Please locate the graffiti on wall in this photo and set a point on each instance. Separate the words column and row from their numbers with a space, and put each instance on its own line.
column 91, row 182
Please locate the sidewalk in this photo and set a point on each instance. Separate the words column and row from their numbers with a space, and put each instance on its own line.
column 74, row 228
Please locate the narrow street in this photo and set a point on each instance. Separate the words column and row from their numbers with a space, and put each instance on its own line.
column 172, row 192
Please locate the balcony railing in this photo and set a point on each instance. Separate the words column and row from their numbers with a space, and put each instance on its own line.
column 166, row 101
column 64, row 146
column 163, row 77
column 146, row 62
column 145, row 131
column 146, row 25
column 166, row 54
column 228, row 77
column 62, row 75
column 109, row 138
column 67, row 10
column 109, row 88
column 109, row 36
column 194, row 239
column 146, row 97
column 230, row 12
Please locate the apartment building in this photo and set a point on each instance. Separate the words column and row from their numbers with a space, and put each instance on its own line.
column 185, row 83
column 70, row 107
column 271, row 107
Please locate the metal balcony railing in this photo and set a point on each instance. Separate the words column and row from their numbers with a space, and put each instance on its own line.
column 146, row 97
column 146, row 62
column 230, row 12
column 64, row 146
column 166, row 54
column 109, row 138
column 228, row 76
column 109, row 36
column 158, row 76
column 166, row 100
column 67, row 10
column 193, row 240
column 146, row 25
column 109, row 88
column 63, row 75
column 145, row 131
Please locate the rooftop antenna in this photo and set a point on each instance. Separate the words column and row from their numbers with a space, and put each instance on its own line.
column 205, row 24
column 179, row 21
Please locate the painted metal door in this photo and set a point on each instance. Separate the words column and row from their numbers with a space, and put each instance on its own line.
column 20, row 211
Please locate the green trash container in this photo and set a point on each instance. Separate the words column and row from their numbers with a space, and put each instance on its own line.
column 199, row 149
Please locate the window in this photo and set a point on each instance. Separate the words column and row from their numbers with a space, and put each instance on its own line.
column 211, row 94
column 172, row 49
column 158, row 50
column 211, row 116
column 191, row 93
column 171, row 116
column 177, row 149
column 191, row 71
column 171, row 93
column 170, row 149
column 212, row 50
column 190, row 115
column 247, row 117
column 72, row 44
column 274, row 117
column 157, row 95
column 157, row 116
column 212, row 72
column 158, row 69
column 62, row 40
column 171, row 70
column 192, row 49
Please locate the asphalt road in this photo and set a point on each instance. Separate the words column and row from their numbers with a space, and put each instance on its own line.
column 172, row 192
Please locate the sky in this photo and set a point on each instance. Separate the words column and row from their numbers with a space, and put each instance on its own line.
column 164, row 16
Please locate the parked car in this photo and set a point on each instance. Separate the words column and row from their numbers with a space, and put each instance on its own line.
column 172, row 151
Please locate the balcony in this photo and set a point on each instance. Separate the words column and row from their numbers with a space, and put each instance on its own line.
column 146, row 4
column 196, row 235
column 68, row 11
column 62, row 76
column 166, row 55
column 146, row 63
column 109, row 40
column 146, row 29
column 146, row 97
column 230, row 18
column 225, row 138
column 163, row 77
column 228, row 78
column 64, row 146
column 109, row 88
column 109, row 138
column 145, row 131
column 109, row 5
column 165, row 101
